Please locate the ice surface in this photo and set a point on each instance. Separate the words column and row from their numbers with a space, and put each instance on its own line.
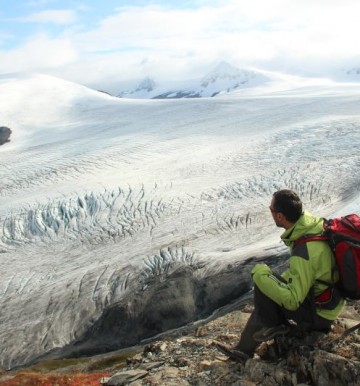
column 98, row 194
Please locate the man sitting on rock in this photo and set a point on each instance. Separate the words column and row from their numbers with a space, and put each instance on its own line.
column 304, row 293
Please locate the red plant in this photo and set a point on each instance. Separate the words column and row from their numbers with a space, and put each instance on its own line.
column 36, row 379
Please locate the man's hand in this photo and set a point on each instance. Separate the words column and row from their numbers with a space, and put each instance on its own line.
column 260, row 267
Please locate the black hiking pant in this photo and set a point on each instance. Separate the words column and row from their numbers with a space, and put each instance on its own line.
column 267, row 313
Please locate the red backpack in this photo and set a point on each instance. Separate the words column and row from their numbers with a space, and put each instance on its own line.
column 343, row 236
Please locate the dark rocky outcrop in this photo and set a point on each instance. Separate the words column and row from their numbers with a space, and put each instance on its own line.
column 298, row 359
column 5, row 133
column 165, row 305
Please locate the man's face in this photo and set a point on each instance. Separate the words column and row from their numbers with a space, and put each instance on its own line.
column 277, row 216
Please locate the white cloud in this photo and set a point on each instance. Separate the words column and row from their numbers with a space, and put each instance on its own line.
column 259, row 29
column 167, row 42
column 150, row 27
column 64, row 16
column 38, row 54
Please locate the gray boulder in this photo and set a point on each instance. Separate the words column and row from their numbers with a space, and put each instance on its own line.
column 5, row 133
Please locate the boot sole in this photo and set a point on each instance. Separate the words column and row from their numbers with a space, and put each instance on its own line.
column 233, row 354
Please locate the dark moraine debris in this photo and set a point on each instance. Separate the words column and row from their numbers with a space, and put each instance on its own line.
column 164, row 306
column 5, row 133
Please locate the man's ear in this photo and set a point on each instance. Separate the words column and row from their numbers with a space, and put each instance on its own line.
column 283, row 221
column 280, row 217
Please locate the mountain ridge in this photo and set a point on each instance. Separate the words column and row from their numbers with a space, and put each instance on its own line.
column 221, row 79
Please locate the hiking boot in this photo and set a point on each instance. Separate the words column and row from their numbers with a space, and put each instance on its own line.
column 231, row 352
column 268, row 333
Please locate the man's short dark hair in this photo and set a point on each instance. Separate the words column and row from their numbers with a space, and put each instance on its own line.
column 288, row 203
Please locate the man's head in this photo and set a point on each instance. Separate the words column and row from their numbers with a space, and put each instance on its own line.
column 286, row 208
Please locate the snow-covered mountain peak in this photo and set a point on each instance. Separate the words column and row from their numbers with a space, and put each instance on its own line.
column 345, row 74
column 354, row 70
column 225, row 70
column 223, row 78
column 147, row 84
column 145, row 87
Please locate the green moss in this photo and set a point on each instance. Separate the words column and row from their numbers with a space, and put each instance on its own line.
column 88, row 364
column 56, row 364
column 118, row 361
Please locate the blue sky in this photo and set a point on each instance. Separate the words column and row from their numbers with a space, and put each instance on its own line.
column 94, row 42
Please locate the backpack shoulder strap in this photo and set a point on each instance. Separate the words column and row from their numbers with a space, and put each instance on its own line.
column 316, row 237
column 306, row 238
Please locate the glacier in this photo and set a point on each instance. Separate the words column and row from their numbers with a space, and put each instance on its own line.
column 122, row 218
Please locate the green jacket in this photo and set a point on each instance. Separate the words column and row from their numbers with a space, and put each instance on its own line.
column 308, row 263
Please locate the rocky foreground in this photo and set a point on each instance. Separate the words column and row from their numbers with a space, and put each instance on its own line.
column 191, row 359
